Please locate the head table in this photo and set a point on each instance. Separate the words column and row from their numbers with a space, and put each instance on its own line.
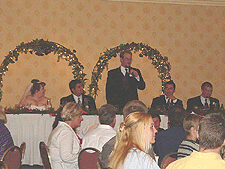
column 34, row 128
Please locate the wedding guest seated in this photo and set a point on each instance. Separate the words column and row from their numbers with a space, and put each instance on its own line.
column 211, row 136
column 6, row 140
column 136, row 134
column 157, row 120
column 204, row 100
column 78, row 96
column 96, row 138
column 130, row 107
column 34, row 97
column 63, row 143
column 168, row 99
column 190, row 125
column 169, row 140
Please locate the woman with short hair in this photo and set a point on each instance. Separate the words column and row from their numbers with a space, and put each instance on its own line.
column 63, row 143
column 137, row 133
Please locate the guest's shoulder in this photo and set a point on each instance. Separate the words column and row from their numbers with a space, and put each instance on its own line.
column 159, row 97
column 87, row 96
column 193, row 98
column 66, row 97
column 214, row 99
column 114, row 70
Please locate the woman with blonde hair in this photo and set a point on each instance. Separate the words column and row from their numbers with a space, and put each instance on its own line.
column 136, row 133
column 6, row 140
column 63, row 143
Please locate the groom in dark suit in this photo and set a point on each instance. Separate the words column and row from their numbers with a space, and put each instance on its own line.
column 168, row 99
column 123, row 82
column 204, row 100
column 77, row 96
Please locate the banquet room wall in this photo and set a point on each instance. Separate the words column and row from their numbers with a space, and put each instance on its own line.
column 191, row 36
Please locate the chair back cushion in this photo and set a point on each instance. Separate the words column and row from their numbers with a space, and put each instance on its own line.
column 45, row 155
column 12, row 157
column 23, row 148
column 88, row 159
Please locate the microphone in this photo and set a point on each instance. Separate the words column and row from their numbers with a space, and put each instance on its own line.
column 130, row 74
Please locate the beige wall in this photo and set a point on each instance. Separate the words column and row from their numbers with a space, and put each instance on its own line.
column 193, row 37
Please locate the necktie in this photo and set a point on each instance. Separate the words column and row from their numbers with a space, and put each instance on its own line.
column 126, row 74
column 206, row 104
column 79, row 102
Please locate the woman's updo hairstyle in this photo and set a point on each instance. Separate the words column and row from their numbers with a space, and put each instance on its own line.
column 36, row 86
column 70, row 111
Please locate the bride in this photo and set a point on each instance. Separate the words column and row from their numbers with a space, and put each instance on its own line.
column 34, row 97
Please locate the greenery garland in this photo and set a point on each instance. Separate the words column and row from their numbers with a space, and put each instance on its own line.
column 41, row 47
column 160, row 63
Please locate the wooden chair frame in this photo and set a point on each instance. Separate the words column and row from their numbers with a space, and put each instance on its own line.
column 23, row 148
column 46, row 164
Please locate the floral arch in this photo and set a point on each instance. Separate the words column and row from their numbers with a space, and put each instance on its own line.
column 158, row 61
column 41, row 47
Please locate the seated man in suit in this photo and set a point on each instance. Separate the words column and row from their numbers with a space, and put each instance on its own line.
column 204, row 100
column 168, row 98
column 211, row 142
column 77, row 96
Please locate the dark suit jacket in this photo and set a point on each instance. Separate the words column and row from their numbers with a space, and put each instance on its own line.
column 168, row 141
column 159, row 101
column 116, row 94
column 91, row 101
column 196, row 102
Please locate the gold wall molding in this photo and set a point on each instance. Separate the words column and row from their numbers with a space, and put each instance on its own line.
column 184, row 2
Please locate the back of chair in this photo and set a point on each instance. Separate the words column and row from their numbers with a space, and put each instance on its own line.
column 23, row 148
column 12, row 157
column 3, row 165
column 46, row 160
column 88, row 159
column 169, row 158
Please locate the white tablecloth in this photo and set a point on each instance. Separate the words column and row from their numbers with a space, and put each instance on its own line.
column 34, row 128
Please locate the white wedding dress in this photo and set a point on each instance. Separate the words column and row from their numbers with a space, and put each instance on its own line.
column 34, row 107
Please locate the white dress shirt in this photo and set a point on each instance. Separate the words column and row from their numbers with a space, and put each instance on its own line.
column 76, row 98
column 203, row 100
column 172, row 101
column 123, row 70
column 98, row 137
column 64, row 147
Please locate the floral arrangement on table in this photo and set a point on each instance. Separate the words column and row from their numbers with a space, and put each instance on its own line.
column 50, row 111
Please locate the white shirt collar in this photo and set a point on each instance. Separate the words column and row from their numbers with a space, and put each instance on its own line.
column 76, row 98
column 203, row 100
column 123, row 70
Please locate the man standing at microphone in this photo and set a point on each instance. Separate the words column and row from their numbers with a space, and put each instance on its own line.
column 123, row 82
